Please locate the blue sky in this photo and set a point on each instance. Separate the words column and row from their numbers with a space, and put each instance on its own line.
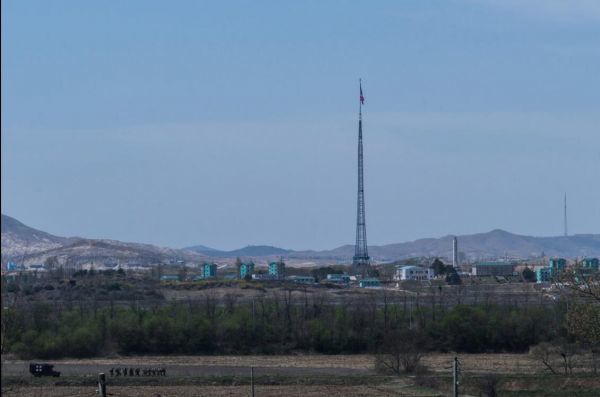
column 234, row 123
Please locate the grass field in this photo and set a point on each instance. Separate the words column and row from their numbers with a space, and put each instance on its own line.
column 231, row 391
column 304, row 375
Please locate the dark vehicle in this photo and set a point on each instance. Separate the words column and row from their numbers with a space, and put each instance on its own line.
column 38, row 370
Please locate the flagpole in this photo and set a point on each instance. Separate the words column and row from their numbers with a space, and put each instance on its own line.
column 360, row 100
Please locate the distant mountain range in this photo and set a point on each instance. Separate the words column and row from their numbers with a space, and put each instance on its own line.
column 18, row 239
column 23, row 243
column 494, row 244
column 251, row 250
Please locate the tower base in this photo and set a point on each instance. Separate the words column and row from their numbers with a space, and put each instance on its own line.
column 360, row 261
column 361, row 266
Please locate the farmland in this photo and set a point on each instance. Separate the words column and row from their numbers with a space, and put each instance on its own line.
column 297, row 375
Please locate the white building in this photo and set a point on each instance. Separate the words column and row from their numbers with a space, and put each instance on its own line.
column 413, row 273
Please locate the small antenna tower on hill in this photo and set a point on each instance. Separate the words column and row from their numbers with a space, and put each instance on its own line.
column 565, row 216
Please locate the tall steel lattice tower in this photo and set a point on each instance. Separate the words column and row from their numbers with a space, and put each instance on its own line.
column 361, row 253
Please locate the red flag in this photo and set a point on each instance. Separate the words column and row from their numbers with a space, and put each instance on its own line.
column 362, row 98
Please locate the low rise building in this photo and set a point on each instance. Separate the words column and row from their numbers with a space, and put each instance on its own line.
column 338, row 278
column 413, row 273
column 209, row 270
column 11, row 267
column 301, row 279
column 591, row 263
column 369, row 283
column 169, row 277
column 543, row 274
column 583, row 273
column 557, row 264
column 245, row 269
column 264, row 276
column 492, row 269
column 557, row 267
column 277, row 269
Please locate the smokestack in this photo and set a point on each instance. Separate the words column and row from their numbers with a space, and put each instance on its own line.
column 455, row 252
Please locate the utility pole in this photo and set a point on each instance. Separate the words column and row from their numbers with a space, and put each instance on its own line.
column 455, row 373
column 410, row 309
column 102, row 384
column 253, row 321
column 252, row 380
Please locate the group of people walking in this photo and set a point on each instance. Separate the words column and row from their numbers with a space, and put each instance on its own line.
column 154, row 371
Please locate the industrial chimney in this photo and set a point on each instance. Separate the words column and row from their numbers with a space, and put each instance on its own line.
column 455, row 252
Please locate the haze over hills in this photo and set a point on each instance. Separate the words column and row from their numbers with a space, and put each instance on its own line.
column 18, row 238
column 24, row 243
column 34, row 246
column 250, row 250
column 494, row 244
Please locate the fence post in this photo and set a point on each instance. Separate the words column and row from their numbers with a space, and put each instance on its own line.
column 102, row 384
column 253, row 322
column 455, row 377
column 252, row 380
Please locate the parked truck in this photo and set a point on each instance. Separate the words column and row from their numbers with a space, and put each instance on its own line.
column 40, row 369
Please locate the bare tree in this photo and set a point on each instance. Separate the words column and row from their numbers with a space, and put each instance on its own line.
column 230, row 302
column 559, row 353
column 400, row 352
column 569, row 352
column 55, row 269
column 210, row 306
column 579, row 283
column 183, row 272
column 583, row 316
column 544, row 352
column 488, row 384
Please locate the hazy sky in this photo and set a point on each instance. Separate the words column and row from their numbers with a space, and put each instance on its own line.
column 234, row 123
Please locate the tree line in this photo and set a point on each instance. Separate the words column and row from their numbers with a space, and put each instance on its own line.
column 277, row 324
